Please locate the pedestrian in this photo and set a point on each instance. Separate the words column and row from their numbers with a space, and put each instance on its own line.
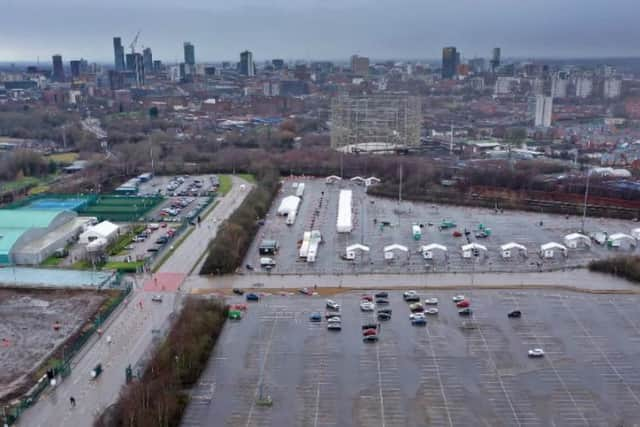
column 72, row 401
column 108, row 339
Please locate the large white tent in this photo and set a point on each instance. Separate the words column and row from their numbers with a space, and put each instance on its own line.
column 616, row 239
column 105, row 230
column 427, row 250
column 636, row 233
column 289, row 205
column 469, row 249
column 390, row 249
column 343, row 223
column 506, row 250
column 573, row 240
column 351, row 250
column 547, row 250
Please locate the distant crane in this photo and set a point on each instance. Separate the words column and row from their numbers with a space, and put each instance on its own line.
column 133, row 44
column 138, row 71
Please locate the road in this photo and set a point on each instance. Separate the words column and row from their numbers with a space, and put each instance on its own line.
column 579, row 278
column 131, row 328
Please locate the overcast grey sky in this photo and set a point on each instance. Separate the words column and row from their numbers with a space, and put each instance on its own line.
column 319, row 29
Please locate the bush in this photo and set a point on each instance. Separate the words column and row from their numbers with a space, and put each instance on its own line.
column 232, row 242
column 627, row 267
column 159, row 398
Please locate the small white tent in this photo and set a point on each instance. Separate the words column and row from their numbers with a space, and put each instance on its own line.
column 471, row 249
column 389, row 250
column 427, row 250
column 507, row 249
column 351, row 250
column 289, row 205
column 332, row 179
column 573, row 240
column 636, row 233
column 616, row 239
column 547, row 250
column 105, row 230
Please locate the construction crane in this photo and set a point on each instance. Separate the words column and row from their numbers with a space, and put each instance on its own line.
column 133, row 44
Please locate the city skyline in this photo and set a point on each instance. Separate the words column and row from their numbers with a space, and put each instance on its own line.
column 330, row 30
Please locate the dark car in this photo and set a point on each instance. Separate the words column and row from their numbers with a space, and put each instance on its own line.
column 370, row 338
column 369, row 326
column 384, row 316
column 162, row 240
column 330, row 314
column 152, row 250
column 382, row 295
column 465, row 312
column 238, row 291
column 412, row 298
column 315, row 317
column 385, row 310
column 252, row 297
column 514, row 313
column 382, row 301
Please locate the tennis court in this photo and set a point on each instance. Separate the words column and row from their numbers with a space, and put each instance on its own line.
column 72, row 203
column 120, row 208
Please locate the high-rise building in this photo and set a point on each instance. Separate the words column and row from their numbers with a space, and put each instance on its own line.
column 75, row 66
column 246, row 64
column 612, row 88
column 189, row 53
column 58, row 69
column 584, row 87
column 157, row 65
column 359, row 65
column 135, row 63
column 495, row 59
column 118, row 52
column 147, row 59
column 477, row 65
column 543, row 110
column 278, row 64
column 559, row 84
column 449, row 62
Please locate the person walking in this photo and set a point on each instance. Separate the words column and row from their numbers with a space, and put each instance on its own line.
column 72, row 401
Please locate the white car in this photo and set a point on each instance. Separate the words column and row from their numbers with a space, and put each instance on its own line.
column 417, row 316
column 335, row 319
column 334, row 326
column 458, row 298
column 367, row 306
column 333, row 305
column 409, row 293
column 431, row 301
column 536, row 352
column 431, row 311
column 156, row 298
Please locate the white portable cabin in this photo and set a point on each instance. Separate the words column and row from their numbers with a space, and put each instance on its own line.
column 548, row 249
column 636, row 233
column 105, row 230
column 427, row 250
column 508, row 249
column 304, row 247
column 575, row 240
column 314, row 242
column 350, row 252
column 300, row 190
column 389, row 250
column 616, row 240
column 344, row 224
column 288, row 205
column 471, row 248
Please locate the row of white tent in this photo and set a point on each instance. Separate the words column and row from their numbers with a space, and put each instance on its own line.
column 357, row 179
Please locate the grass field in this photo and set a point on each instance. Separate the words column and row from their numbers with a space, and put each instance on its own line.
column 120, row 209
column 65, row 158
column 225, row 184
column 19, row 184
column 248, row 177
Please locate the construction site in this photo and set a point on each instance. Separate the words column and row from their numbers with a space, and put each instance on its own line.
column 375, row 123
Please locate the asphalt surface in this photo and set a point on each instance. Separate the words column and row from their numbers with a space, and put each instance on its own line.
column 132, row 328
column 578, row 279
column 453, row 372
column 318, row 211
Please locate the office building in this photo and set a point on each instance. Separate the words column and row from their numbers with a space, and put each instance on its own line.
column 584, row 87
column 495, row 59
column 506, row 85
column 135, row 64
column 189, row 54
column 543, row 110
column 477, row 65
column 57, row 74
column 246, row 66
column 559, row 84
column 75, row 68
column 278, row 64
column 118, row 52
column 147, row 59
column 360, row 65
column 157, row 65
column 449, row 62
column 612, row 88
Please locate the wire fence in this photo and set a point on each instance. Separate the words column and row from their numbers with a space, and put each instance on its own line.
column 61, row 367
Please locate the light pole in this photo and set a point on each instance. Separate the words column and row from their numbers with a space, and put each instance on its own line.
column 586, row 196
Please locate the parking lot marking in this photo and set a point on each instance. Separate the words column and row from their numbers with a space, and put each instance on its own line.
column 380, row 387
column 439, row 376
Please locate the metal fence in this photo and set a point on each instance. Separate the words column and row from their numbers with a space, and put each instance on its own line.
column 62, row 366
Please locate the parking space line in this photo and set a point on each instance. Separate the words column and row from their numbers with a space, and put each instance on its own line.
column 380, row 387
column 439, row 376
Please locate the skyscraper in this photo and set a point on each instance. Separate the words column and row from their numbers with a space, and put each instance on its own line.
column 543, row 110
column 147, row 57
column 75, row 68
column 278, row 64
column 495, row 59
column 359, row 65
column 58, row 69
column 189, row 54
column 118, row 53
column 449, row 62
column 246, row 64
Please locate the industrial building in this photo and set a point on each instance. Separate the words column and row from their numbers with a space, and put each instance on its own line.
column 29, row 236
column 375, row 122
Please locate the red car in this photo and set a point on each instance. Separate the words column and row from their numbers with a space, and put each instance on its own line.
column 368, row 332
column 463, row 304
column 242, row 307
column 367, row 298
column 457, row 234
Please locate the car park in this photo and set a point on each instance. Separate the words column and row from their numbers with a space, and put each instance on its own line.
column 514, row 313
column 367, row 306
column 535, row 352
column 332, row 305
column 431, row 301
column 315, row 317
column 463, row 304
column 465, row 312
column 458, row 298
column 252, row 297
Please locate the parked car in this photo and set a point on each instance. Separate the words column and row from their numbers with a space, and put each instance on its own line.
column 252, row 297
column 238, row 291
column 514, row 313
column 416, row 307
column 162, row 240
column 458, row 298
column 368, row 332
column 536, row 352
column 332, row 315
column 334, row 326
column 332, row 305
column 463, row 304
column 385, row 310
column 465, row 312
column 367, row 306
column 384, row 316
column 410, row 295
column 382, row 295
column 431, row 301
column 431, row 311
column 334, row 319
column 370, row 338
column 419, row 319
column 382, row 301
column 154, row 249
column 315, row 317
column 366, row 298
column 156, row 298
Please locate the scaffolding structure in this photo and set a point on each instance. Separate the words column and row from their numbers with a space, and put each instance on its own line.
column 381, row 122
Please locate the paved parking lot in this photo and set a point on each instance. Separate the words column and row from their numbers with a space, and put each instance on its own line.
column 453, row 372
column 319, row 208
column 160, row 183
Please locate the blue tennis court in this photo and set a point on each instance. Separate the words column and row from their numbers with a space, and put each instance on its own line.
column 57, row 204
